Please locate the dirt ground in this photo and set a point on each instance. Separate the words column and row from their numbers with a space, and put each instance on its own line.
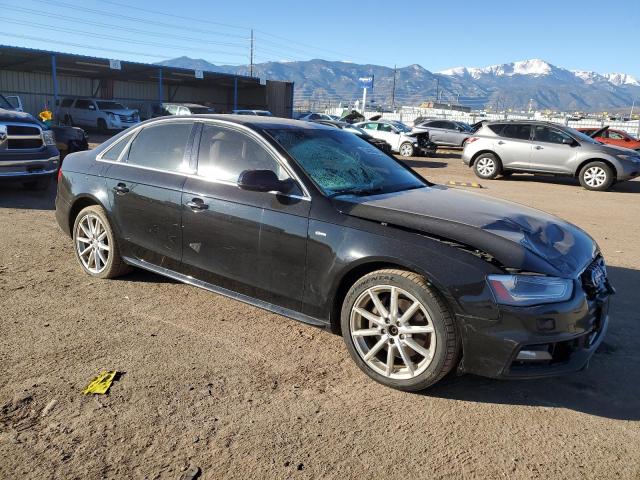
column 242, row 393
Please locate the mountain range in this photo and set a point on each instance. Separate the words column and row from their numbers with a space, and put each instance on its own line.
column 517, row 85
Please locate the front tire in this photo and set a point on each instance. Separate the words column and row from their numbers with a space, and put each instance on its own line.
column 95, row 245
column 487, row 166
column 596, row 176
column 398, row 330
column 102, row 126
column 406, row 150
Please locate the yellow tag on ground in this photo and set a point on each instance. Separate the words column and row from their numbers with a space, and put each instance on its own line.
column 101, row 383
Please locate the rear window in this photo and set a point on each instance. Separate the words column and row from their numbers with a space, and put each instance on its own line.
column 161, row 147
column 517, row 131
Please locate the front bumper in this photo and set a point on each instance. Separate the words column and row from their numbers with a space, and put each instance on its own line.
column 117, row 124
column 24, row 168
column 569, row 333
column 629, row 171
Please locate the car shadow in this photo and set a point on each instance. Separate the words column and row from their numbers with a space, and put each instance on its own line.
column 632, row 186
column 610, row 387
column 424, row 164
column 140, row 275
column 14, row 195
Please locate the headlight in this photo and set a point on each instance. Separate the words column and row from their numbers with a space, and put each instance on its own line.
column 111, row 116
column 525, row 290
column 48, row 137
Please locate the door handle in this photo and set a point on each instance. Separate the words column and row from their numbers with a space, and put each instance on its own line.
column 501, row 142
column 538, row 147
column 197, row 204
column 121, row 189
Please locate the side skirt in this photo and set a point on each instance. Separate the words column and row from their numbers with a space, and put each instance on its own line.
column 301, row 317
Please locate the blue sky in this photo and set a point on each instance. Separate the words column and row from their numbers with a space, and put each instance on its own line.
column 586, row 34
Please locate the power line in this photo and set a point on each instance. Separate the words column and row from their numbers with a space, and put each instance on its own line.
column 111, row 37
column 164, row 35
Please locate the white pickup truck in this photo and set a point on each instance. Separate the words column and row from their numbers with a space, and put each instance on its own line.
column 93, row 113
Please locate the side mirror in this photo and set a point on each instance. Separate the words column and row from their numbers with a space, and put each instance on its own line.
column 568, row 141
column 627, row 140
column 261, row 181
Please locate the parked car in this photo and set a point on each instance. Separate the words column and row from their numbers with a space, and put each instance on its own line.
column 445, row 133
column 69, row 139
column 415, row 276
column 401, row 138
column 315, row 116
column 376, row 142
column 104, row 115
column 260, row 113
column 28, row 152
column 181, row 109
column 609, row 136
column 504, row 147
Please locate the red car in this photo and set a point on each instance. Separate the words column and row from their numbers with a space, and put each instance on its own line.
column 618, row 138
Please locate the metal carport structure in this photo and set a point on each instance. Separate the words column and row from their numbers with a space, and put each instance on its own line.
column 42, row 77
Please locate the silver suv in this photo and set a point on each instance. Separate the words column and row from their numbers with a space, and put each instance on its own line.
column 505, row 147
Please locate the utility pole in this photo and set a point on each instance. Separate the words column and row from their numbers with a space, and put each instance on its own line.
column 437, row 90
column 393, row 94
column 251, row 56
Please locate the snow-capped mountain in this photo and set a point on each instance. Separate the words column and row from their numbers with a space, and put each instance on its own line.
column 513, row 85
column 622, row 79
column 536, row 68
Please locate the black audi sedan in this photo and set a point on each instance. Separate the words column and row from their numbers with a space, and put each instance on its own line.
column 320, row 226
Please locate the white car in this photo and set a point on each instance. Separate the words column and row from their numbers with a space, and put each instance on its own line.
column 93, row 113
column 398, row 135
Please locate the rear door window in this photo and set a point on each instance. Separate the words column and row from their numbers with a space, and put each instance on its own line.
column 517, row 131
column 113, row 153
column 162, row 147
column 66, row 102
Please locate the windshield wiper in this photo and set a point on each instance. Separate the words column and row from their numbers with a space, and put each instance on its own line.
column 355, row 191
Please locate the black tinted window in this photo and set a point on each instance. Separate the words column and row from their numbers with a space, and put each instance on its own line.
column 439, row 124
column 114, row 152
column 66, row 102
column 518, row 131
column 224, row 154
column 496, row 128
column 550, row 135
column 161, row 147
column 83, row 104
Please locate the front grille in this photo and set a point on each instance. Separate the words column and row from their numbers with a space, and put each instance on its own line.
column 22, row 137
column 22, row 130
column 126, row 118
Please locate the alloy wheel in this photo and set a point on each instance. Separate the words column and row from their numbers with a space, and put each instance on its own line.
column 406, row 150
column 595, row 177
column 486, row 166
column 392, row 332
column 92, row 243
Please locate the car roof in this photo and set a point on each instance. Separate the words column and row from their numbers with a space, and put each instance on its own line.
column 254, row 122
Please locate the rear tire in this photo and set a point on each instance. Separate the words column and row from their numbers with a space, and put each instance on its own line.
column 408, row 353
column 596, row 176
column 95, row 245
column 487, row 166
column 102, row 125
column 406, row 150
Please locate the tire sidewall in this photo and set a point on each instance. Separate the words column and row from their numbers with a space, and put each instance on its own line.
column 496, row 162
column 606, row 168
column 434, row 371
column 98, row 212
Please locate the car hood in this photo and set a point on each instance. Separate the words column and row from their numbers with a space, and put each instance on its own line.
column 15, row 116
column 616, row 150
column 517, row 236
column 121, row 111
